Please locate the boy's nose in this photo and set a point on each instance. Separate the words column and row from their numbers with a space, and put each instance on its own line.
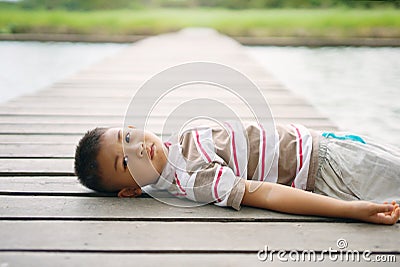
column 139, row 150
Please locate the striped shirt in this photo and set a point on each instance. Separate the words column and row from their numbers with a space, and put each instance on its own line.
column 210, row 164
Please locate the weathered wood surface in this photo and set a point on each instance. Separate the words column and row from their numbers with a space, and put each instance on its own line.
column 292, row 112
column 189, row 236
column 39, row 138
column 34, row 166
column 48, row 218
column 153, row 258
column 144, row 208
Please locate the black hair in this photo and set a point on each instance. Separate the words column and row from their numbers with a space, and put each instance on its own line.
column 86, row 165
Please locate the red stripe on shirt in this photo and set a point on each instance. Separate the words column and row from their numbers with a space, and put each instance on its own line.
column 234, row 149
column 300, row 146
column 264, row 140
column 167, row 144
column 201, row 147
column 216, row 184
column 179, row 185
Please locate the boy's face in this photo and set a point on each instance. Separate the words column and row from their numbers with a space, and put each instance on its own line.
column 130, row 159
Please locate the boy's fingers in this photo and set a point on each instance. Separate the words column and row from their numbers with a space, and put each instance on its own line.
column 395, row 209
column 389, row 219
column 384, row 208
column 395, row 206
column 396, row 215
column 388, row 207
column 387, row 212
column 383, row 219
column 393, row 202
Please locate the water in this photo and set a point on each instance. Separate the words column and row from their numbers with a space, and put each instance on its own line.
column 357, row 88
column 28, row 66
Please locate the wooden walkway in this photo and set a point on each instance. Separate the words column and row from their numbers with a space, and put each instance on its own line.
column 48, row 219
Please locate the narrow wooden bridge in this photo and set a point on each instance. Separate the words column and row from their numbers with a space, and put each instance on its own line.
column 48, row 219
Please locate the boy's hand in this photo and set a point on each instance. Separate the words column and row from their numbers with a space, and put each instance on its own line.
column 376, row 213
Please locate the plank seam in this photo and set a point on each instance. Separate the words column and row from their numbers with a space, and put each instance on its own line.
column 180, row 251
column 180, row 219
column 37, row 174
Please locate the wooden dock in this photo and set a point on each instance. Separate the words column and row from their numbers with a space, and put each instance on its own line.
column 48, row 219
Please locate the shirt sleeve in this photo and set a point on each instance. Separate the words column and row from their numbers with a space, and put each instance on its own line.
column 215, row 184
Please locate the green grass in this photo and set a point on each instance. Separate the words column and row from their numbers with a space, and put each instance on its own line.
column 275, row 22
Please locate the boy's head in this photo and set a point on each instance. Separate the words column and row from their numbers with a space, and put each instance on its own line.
column 114, row 160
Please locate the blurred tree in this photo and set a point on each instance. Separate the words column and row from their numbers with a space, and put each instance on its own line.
column 79, row 5
column 232, row 4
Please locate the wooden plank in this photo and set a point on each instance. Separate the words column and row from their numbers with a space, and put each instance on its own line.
column 161, row 111
column 245, row 65
column 87, row 121
column 26, row 150
column 35, row 138
column 302, row 114
column 89, row 96
column 119, row 259
column 116, row 84
column 56, row 186
column 68, row 101
column 66, row 119
column 70, row 127
column 261, row 78
column 193, row 236
column 263, row 81
column 279, row 112
column 141, row 208
column 42, row 184
column 24, row 118
column 79, row 85
column 126, row 79
column 52, row 190
column 246, row 68
column 130, row 92
column 59, row 167
column 16, row 196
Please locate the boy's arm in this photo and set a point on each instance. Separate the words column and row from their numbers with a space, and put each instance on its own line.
column 291, row 200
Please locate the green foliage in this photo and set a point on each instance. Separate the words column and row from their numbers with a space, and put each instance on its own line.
column 79, row 4
column 230, row 4
column 252, row 22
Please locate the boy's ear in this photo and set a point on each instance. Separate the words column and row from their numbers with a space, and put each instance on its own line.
column 130, row 192
column 131, row 126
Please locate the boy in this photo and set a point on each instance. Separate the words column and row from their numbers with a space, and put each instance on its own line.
column 230, row 165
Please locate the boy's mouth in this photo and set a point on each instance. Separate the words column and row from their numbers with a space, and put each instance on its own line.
column 151, row 153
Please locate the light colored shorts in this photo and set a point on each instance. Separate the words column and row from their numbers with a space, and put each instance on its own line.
column 351, row 170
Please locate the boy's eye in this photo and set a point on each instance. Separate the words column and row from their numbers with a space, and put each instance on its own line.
column 127, row 137
column 125, row 162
